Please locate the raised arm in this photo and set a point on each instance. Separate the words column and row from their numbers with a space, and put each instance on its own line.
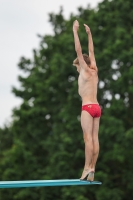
column 78, row 48
column 91, row 48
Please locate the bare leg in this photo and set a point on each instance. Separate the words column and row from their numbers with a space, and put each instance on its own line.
column 87, row 127
column 95, row 147
column 95, row 142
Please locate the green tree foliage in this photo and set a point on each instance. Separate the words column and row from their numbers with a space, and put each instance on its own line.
column 45, row 138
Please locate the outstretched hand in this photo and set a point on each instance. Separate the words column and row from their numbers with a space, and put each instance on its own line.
column 75, row 25
column 87, row 29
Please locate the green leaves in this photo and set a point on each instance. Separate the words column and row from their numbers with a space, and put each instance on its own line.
column 45, row 139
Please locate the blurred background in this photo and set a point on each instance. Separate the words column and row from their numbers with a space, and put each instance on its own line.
column 40, row 134
column 20, row 23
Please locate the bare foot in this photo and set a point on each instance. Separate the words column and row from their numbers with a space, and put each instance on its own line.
column 90, row 176
column 84, row 174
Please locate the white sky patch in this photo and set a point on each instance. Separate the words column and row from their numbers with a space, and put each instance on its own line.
column 48, row 116
column 116, row 75
column 126, row 99
column 107, row 95
column 108, row 105
column 114, row 64
column 71, row 78
column 31, row 101
column 117, row 96
column 101, row 84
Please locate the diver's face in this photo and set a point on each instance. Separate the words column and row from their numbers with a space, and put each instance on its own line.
column 78, row 68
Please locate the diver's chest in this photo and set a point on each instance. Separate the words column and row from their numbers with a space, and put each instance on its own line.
column 83, row 79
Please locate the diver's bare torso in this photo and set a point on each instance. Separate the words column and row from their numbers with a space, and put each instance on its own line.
column 87, row 83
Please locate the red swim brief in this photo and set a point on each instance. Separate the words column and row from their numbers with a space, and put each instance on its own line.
column 93, row 109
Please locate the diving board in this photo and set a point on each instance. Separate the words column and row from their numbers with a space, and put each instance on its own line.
column 44, row 183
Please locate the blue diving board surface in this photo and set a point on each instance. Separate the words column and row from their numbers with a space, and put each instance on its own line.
column 44, row 183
